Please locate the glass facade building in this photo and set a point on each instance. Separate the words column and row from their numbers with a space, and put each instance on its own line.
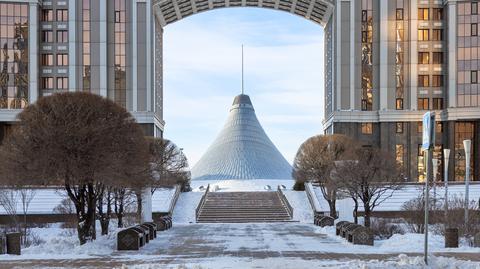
column 14, row 57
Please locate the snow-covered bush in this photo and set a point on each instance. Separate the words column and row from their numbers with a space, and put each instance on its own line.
column 32, row 239
column 384, row 228
column 415, row 213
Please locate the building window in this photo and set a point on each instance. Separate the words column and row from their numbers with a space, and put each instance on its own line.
column 420, row 164
column 423, row 34
column 438, row 57
column 367, row 128
column 423, row 81
column 14, row 55
column 438, row 154
column 422, row 104
column 399, row 127
column 367, row 58
column 438, row 14
column 474, row 8
column 62, row 15
column 46, row 83
column 62, row 36
column 474, row 29
column 437, row 81
column 47, row 15
column 399, row 14
column 399, row 103
column 120, row 77
column 62, row 59
column 439, row 127
column 437, row 103
column 463, row 131
column 47, row 59
column 473, row 77
column 423, row 58
column 437, row 35
column 399, row 57
column 399, row 152
column 419, row 127
column 86, row 45
column 62, row 83
column 423, row 14
column 47, row 36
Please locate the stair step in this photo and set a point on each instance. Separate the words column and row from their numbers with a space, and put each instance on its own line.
column 243, row 207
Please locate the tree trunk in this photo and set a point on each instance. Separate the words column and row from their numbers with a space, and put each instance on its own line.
column 333, row 208
column 355, row 211
column 88, row 226
column 367, row 215
column 119, row 206
column 104, row 217
column 139, row 206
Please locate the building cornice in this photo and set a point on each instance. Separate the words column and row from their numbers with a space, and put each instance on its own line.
column 10, row 115
column 450, row 114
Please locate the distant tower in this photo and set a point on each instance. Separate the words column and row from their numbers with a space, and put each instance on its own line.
column 242, row 150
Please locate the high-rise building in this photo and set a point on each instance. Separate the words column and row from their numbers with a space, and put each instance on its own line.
column 389, row 61
column 386, row 63
column 103, row 47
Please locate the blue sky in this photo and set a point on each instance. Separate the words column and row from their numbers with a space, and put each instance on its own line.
column 283, row 76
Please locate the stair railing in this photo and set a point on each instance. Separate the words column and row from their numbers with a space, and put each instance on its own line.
column 174, row 200
column 285, row 202
column 202, row 202
column 312, row 198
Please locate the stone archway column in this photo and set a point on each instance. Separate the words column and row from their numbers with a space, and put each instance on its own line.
column 147, row 205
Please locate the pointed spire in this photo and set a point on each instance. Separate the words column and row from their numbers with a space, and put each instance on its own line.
column 243, row 79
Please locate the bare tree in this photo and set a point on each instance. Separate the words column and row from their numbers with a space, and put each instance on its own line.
column 81, row 141
column 9, row 201
column 168, row 163
column 371, row 176
column 105, row 200
column 26, row 197
column 315, row 161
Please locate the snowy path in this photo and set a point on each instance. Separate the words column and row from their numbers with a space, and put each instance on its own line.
column 291, row 245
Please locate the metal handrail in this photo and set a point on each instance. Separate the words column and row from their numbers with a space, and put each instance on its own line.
column 202, row 201
column 284, row 200
column 310, row 195
column 174, row 200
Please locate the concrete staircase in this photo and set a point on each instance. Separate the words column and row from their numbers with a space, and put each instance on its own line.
column 243, row 207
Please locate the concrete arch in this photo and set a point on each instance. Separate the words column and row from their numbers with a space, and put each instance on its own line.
column 170, row 11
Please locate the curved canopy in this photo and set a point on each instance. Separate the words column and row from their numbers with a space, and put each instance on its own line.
column 242, row 150
column 169, row 11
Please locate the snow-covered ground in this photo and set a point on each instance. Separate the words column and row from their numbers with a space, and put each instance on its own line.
column 184, row 211
column 290, row 245
column 408, row 192
column 241, row 185
column 302, row 210
column 400, row 262
column 46, row 199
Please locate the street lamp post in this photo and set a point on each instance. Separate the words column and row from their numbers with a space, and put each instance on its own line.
column 435, row 163
column 446, row 156
column 467, row 145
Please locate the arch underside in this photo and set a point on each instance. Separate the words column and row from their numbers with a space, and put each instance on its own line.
column 170, row 11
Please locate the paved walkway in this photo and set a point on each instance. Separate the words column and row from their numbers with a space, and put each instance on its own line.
column 194, row 243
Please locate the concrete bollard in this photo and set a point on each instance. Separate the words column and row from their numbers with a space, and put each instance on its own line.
column 451, row 238
column 3, row 244
column 14, row 241
column 476, row 240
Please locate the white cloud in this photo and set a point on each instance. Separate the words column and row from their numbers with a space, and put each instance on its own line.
column 284, row 76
